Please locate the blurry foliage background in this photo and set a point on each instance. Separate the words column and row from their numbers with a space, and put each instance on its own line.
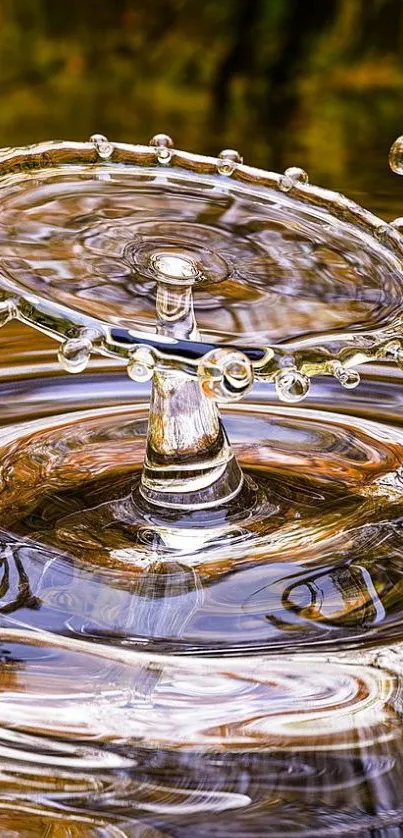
column 317, row 83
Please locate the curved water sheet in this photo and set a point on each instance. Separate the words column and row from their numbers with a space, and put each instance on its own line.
column 279, row 260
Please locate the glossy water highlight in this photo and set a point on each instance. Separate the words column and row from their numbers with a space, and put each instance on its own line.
column 132, row 743
column 227, row 668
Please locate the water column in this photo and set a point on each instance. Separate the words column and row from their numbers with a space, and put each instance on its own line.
column 189, row 463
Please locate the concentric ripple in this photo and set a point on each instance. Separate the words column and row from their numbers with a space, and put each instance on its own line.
column 103, row 731
column 309, row 553
column 231, row 673
column 168, row 702
column 271, row 270
column 130, row 742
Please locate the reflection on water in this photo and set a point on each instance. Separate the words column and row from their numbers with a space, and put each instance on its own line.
column 234, row 670
column 283, row 714
column 316, row 559
column 103, row 731
column 273, row 269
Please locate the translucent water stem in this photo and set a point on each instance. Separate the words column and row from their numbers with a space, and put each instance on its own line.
column 189, row 463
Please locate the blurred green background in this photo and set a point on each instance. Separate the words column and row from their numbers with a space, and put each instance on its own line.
column 317, row 83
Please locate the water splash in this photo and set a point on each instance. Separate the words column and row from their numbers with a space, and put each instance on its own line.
column 234, row 671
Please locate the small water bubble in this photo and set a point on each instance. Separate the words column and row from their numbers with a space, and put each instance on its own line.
column 225, row 374
column 291, row 385
column 228, row 160
column 164, row 155
column 102, row 145
column 74, row 354
column 163, row 146
column 141, row 365
column 396, row 156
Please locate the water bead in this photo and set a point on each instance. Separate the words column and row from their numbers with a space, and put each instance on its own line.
column 296, row 174
column 74, row 354
column 163, row 145
column 292, row 177
column 162, row 140
column 141, row 364
column 285, row 183
column 225, row 374
column 348, row 378
column 228, row 160
column 396, row 156
column 291, row 385
column 102, row 145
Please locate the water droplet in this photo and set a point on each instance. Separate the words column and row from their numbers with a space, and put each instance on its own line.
column 74, row 354
column 225, row 374
column 160, row 140
column 141, row 365
column 292, row 177
column 348, row 378
column 163, row 145
column 291, row 385
column 396, row 156
column 296, row 174
column 228, row 160
column 102, row 145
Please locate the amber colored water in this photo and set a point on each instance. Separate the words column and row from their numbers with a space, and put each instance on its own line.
column 283, row 714
column 164, row 677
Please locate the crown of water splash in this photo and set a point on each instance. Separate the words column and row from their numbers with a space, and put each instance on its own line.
column 225, row 372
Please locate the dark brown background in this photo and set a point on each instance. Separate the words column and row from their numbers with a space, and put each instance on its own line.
column 317, row 83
